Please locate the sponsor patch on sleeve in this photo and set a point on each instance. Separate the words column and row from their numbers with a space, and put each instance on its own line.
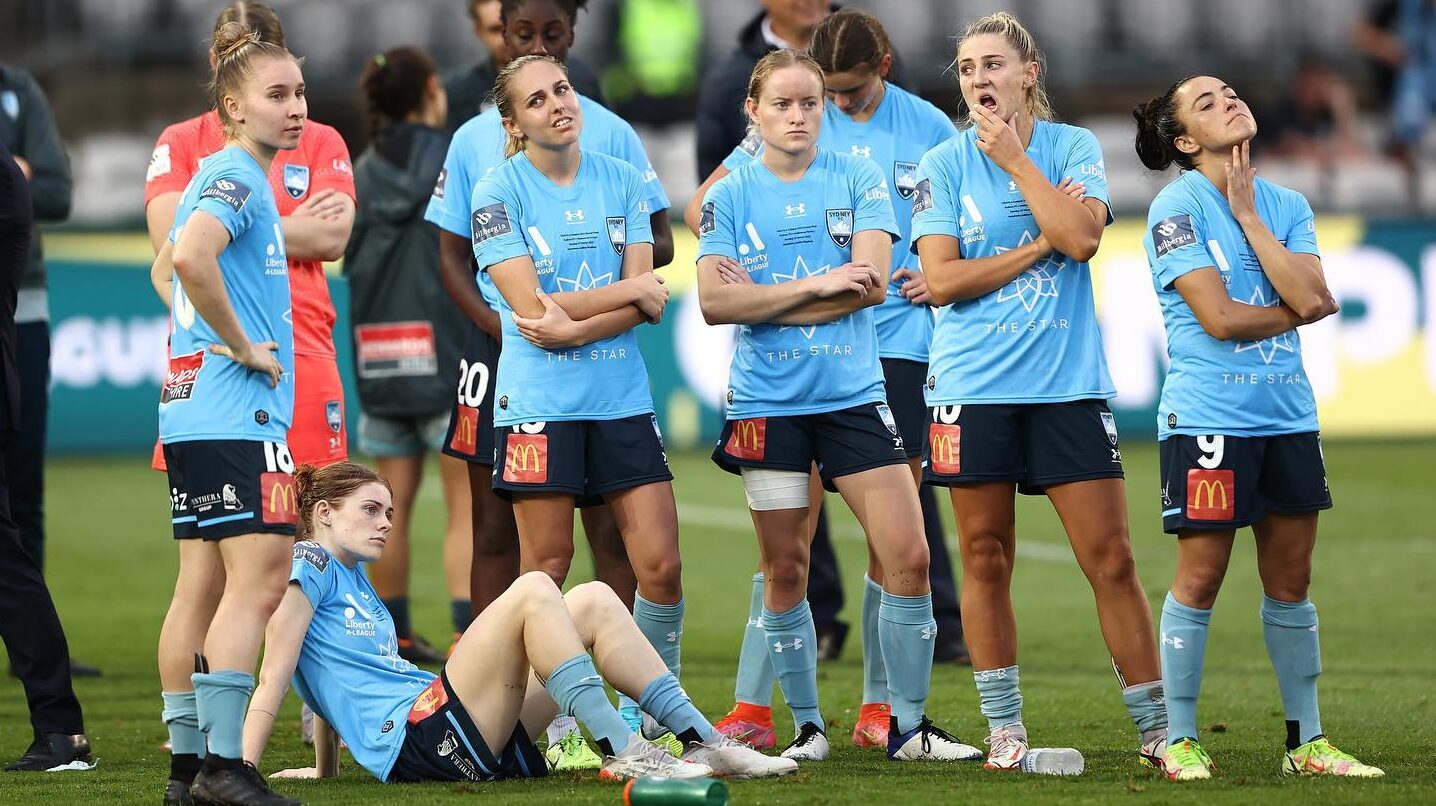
column 159, row 162
column 439, row 185
column 491, row 222
column 312, row 553
column 1172, row 233
column 751, row 144
column 922, row 197
column 707, row 222
column 228, row 191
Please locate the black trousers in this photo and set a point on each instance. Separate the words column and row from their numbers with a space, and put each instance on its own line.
column 825, row 582
column 31, row 630
column 25, row 455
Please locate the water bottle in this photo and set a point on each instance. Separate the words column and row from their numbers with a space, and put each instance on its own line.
column 674, row 792
column 1052, row 761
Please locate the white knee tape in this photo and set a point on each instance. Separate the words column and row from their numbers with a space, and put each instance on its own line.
column 775, row 489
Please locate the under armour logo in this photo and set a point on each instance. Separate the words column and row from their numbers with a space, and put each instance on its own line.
column 752, row 622
column 862, row 151
column 928, row 633
column 796, row 645
column 989, row 676
column 673, row 637
column 573, row 216
column 801, row 208
column 1174, row 642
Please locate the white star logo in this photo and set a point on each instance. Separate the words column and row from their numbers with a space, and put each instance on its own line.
column 1267, row 347
column 584, row 280
column 1035, row 283
column 800, row 270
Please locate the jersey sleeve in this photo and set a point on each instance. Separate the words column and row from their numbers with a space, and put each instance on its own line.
column 171, row 164
column 331, row 166
column 934, row 207
column 744, row 152
column 1300, row 234
column 636, row 209
column 630, row 150
column 496, row 230
column 449, row 206
column 1178, row 245
column 310, row 571
column 872, row 199
column 228, row 196
column 1084, row 164
column 715, row 222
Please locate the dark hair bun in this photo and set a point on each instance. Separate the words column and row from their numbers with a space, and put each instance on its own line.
column 1152, row 150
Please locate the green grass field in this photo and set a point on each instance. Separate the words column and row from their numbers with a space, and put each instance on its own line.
column 112, row 567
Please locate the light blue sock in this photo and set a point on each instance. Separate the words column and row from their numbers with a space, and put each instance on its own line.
column 1184, row 643
column 999, row 696
column 220, row 699
column 875, row 673
column 1146, row 704
column 906, row 632
column 664, row 700
column 1295, row 650
column 793, row 651
column 662, row 625
column 181, row 716
column 755, row 669
column 578, row 689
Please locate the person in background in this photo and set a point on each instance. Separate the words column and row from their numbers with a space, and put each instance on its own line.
column 405, row 327
column 27, row 129
column 1316, row 121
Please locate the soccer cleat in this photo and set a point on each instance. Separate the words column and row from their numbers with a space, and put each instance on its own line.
column 177, row 793
column 730, row 759
column 1320, row 757
column 751, row 725
column 928, row 742
column 655, row 732
column 56, row 752
column 416, row 650
column 872, row 727
column 644, row 759
column 1187, row 761
column 239, row 785
column 1150, row 753
column 810, row 745
column 572, row 753
column 1006, row 747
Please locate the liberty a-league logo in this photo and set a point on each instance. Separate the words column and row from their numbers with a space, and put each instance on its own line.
column 617, row 232
column 296, row 180
column 840, row 227
column 905, row 179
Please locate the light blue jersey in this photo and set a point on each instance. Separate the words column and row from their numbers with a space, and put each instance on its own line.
column 901, row 130
column 1034, row 340
column 207, row 396
column 349, row 668
column 478, row 147
column 781, row 231
column 1244, row 388
column 576, row 236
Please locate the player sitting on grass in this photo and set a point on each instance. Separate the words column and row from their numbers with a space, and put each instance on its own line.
column 521, row 661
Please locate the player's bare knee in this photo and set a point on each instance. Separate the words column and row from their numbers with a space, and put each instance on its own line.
column 1198, row 587
column 909, row 558
column 592, row 603
column 1111, row 565
column 786, row 573
column 984, row 560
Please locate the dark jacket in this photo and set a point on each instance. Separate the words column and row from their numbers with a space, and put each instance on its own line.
column 469, row 89
column 407, row 333
column 27, row 129
column 15, row 230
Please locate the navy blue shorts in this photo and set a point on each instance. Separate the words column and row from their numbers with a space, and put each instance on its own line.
column 443, row 744
column 471, row 424
column 583, row 458
column 1216, row 483
column 905, row 380
column 842, row 442
column 227, row 487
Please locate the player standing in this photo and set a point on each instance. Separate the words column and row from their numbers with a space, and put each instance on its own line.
column 1006, row 216
column 1236, row 267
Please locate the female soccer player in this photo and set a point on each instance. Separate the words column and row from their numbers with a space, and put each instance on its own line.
column 545, row 28
column 868, row 117
column 1006, row 216
column 1236, row 268
column 407, row 335
column 814, row 230
column 227, row 402
column 522, row 660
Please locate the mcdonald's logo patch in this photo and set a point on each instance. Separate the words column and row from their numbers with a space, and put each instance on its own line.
column 944, row 448
column 281, row 502
column 430, row 700
column 1211, row 495
column 466, row 430
column 526, row 460
column 748, row 439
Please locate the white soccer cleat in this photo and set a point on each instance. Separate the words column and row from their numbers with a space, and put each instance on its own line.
column 811, row 744
column 644, row 759
column 730, row 759
column 1151, row 753
column 1007, row 746
column 928, row 742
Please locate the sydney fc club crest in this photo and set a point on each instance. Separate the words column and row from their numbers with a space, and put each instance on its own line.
column 617, row 232
column 296, row 180
column 905, row 178
column 840, row 227
column 334, row 415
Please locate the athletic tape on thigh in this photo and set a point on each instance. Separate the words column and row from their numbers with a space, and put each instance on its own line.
column 775, row 489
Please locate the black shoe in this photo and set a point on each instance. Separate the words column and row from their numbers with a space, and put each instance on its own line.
column 177, row 793
column 831, row 639
column 418, row 651
column 233, row 783
column 57, row 752
column 954, row 652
